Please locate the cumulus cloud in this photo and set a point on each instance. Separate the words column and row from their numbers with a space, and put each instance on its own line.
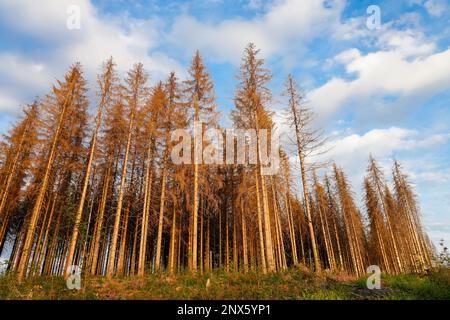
column 379, row 74
column 128, row 40
column 348, row 56
column 432, row 176
column 387, row 72
column 408, row 43
column 23, row 70
column 44, row 19
column 436, row 8
column 382, row 142
column 7, row 101
column 351, row 150
column 285, row 25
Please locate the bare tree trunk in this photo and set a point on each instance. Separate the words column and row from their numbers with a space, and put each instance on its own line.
column 134, row 252
column 161, row 213
column 267, row 228
column 145, row 212
column 244, row 240
column 260, row 227
column 79, row 214
column 201, row 234
column 220, row 237
column 101, row 214
column 291, row 226
column 306, row 198
column 49, row 259
column 112, row 252
column 40, row 239
column 173, row 234
column 195, row 209
column 47, row 230
column 121, row 259
column 208, row 243
column 235, row 251
column 266, row 211
column 227, row 242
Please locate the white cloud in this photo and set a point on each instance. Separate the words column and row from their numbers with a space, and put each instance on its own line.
column 8, row 103
column 380, row 74
column 127, row 39
column 436, row 8
column 43, row 19
column 378, row 142
column 402, row 69
column 286, row 24
column 24, row 71
column 351, row 151
column 432, row 176
column 348, row 56
column 408, row 43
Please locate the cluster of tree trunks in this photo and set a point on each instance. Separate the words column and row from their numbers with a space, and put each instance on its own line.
column 106, row 197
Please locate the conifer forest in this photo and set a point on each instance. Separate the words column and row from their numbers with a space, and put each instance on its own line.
column 88, row 180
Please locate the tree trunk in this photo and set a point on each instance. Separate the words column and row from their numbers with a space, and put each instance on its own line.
column 112, row 252
column 100, row 217
column 244, row 240
column 79, row 214
column 161, row 213
column 145, row 212
column 260, row 227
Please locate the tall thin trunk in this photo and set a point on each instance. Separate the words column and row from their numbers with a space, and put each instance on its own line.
column 112, row 252
column 260, row 227
column 265, row 201
column 173, row 233
column 101, row 214
column 145, row 212
column 123, row 241
column 235, row 251
column 227, row 242
column 296, row 121
column 161, row 212
column 79, row 214
column 47, row 230
column 291, row 226
column 201, row 235
column 197, row 146
column 40, row 238
column 244, row 239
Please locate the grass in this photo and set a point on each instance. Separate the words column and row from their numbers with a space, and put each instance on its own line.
column 292, row 284
column 435, row 285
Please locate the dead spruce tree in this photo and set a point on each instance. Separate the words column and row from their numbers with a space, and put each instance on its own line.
column 308, row 141
column 134, row 95
column 106, row 84
column 106, row 195
column 65, row 98
column 199, row 91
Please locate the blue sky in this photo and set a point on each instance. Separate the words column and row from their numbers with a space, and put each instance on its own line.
column 384, row 91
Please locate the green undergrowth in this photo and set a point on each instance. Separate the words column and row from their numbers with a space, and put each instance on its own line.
column 296, row 283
